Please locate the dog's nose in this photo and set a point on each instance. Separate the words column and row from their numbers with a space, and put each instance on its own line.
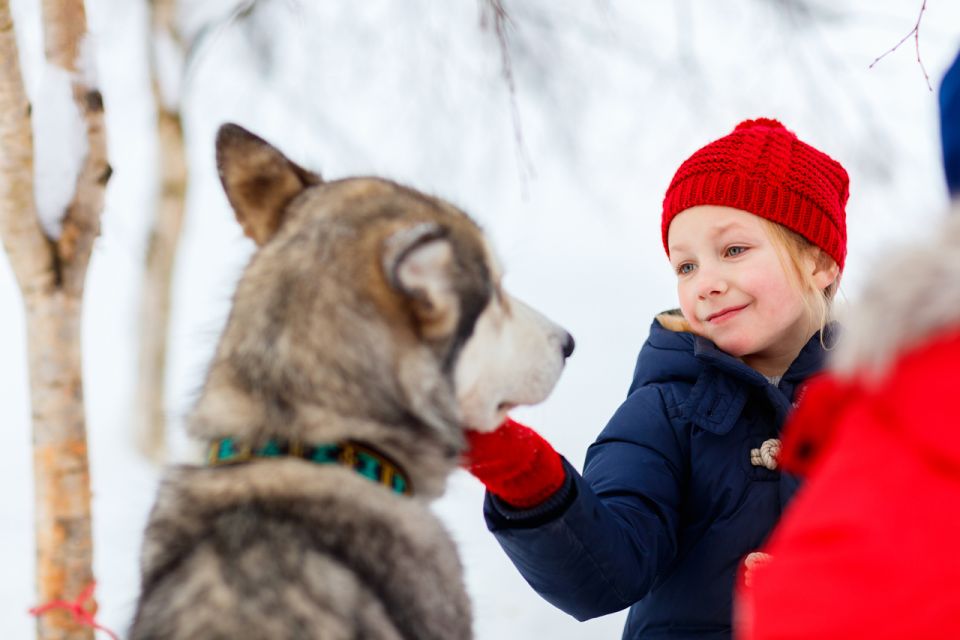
column 568, row 345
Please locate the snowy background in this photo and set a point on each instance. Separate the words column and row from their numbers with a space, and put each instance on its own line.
column 566, row 173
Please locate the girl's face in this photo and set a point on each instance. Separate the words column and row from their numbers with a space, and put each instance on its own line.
column 734, row 290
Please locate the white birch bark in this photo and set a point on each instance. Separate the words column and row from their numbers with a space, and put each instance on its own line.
column 50, row 273
column 155, row 294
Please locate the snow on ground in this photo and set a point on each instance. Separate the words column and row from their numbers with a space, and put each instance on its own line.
column 610, row 99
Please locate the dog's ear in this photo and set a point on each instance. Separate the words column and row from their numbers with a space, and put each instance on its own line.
column 259, row 180
column 418, row 262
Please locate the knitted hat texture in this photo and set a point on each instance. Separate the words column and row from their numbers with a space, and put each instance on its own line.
column 950, row 126
column 763, row 168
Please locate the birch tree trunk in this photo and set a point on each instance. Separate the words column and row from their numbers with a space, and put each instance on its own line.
column 155, row 293
column 51, row 273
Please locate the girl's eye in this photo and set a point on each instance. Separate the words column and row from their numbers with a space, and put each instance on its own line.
column 736, row 251
column 685, row 268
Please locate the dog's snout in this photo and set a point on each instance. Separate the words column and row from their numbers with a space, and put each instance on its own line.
column 568, row 345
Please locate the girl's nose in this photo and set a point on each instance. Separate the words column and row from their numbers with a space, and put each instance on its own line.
column 711, row 282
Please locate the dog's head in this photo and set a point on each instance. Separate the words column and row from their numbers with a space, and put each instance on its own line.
column 366, row 300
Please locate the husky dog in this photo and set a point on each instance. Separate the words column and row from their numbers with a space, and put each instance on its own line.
column 369, row 330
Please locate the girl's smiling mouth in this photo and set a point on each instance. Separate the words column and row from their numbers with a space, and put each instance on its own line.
column 724, row 314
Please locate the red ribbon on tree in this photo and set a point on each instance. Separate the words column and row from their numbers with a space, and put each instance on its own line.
column 78, row 608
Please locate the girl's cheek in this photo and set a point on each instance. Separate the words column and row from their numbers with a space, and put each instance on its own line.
column 687, row 306
column 682, row 297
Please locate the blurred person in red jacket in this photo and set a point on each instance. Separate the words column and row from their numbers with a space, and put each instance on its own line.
column 868, row 549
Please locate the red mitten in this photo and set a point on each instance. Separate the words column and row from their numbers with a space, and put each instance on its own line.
column 515, row 464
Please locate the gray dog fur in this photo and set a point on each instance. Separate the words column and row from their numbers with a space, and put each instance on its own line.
column 343, row 326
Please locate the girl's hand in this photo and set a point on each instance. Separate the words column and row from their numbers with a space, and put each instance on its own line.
column 751, row 562
column 515, row 463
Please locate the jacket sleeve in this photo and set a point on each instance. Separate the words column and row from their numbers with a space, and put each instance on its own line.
column 601, row 542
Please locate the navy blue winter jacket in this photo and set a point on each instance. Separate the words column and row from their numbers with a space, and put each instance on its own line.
column 668, row 503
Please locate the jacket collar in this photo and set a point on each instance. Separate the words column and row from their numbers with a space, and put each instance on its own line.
column 721, row 382
column 809, row 361
column 722, row 388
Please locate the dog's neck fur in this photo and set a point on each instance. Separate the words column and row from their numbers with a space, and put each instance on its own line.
column 228, row 412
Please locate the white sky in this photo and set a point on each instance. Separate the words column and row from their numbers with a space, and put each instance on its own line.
column 611, row 96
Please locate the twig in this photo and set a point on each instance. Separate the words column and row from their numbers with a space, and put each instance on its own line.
column 501, row 20
column 915, row 32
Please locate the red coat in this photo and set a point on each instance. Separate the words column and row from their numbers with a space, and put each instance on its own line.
column 870, row 547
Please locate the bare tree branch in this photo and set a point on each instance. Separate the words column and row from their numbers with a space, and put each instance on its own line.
column 65, row 24
column 915, row 32
column 31, row 255
column 193, row 46
column 51, row 273
column 501, row 24
column 155, row 291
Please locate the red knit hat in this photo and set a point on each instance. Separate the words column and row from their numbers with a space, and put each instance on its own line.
column 764, row 169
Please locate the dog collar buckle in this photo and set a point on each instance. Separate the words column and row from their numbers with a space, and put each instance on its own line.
column 226, row 451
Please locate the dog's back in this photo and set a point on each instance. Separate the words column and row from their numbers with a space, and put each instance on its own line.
column 284, row 549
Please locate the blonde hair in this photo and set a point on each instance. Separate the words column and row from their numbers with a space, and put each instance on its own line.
column 793, row 249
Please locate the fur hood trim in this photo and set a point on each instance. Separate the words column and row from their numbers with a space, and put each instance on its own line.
column 912, row 297
column 673, row 320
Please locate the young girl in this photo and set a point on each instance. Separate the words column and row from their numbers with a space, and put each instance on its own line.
column 682, row 483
